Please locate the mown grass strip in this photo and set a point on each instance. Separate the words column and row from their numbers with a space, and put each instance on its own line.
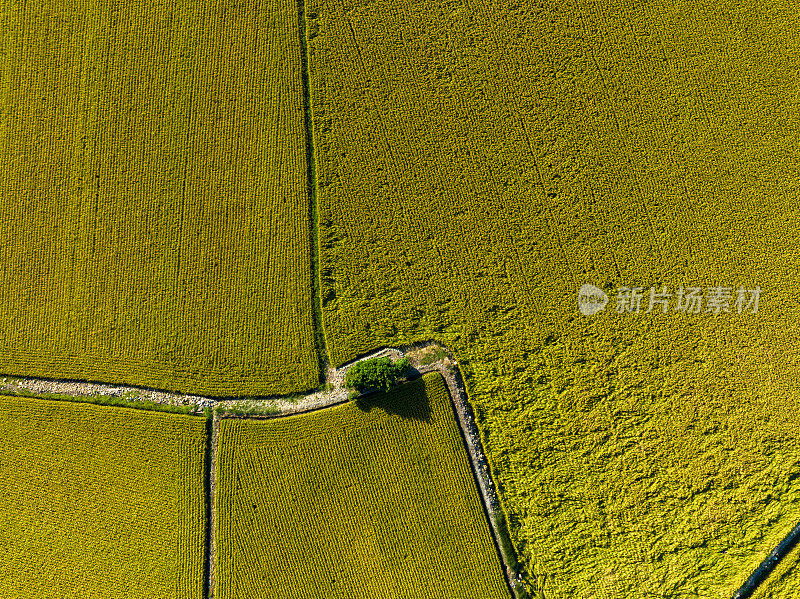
column 311, row 178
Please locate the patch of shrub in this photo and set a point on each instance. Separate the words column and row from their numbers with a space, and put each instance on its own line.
column 375, row 374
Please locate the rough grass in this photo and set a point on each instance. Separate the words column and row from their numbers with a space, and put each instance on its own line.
column 100, row 501
column 479, row 162
column 154, row 210
column 342, row 503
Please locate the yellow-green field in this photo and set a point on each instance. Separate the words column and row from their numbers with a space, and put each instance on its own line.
column 100, row 502
column 478, row 162
column 342, row 503
column 154, row 214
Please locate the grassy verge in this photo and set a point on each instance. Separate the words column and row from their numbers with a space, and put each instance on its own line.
column 311, row 177
column 246, row 408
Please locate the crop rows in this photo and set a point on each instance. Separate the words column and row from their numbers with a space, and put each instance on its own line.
column 479, row 161
column 100, row 501
column 341, row 503
column 154, row 217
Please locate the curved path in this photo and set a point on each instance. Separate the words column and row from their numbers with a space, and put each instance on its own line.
column 423, row 357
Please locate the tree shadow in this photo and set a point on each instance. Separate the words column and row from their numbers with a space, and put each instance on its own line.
column 407, row 401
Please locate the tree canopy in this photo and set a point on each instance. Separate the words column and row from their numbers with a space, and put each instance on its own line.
column 376, row 373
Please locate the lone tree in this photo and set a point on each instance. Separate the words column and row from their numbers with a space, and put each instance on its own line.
column 375, row 373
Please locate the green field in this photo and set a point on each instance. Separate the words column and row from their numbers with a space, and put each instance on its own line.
column 478, row 162
column 154, row 214
column 100, row 502
column 342, row 503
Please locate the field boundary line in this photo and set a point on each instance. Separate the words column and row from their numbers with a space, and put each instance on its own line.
column 446, row 365
column 765, row 568
column 317, row 322
column 211, row 508
column 465, row 418
column 335, row 393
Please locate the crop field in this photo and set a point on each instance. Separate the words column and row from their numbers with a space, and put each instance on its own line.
column 154, row 213
column 478, row 162
column 100, row 502
column 342, row 503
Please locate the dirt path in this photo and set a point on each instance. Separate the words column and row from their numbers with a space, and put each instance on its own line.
column 82, row 389
column 277, row 405
column 423, row 357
